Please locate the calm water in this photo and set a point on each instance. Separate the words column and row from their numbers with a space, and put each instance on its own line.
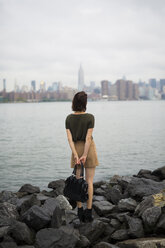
column 34, row 148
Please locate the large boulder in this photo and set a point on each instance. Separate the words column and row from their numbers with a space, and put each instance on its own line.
column 57, row 186
column 30, row 189
column 114, row 194
column 26, row 202
column 65, row 236
column 127, row 204
column 160, row 227
column 150, row 217
column 151, row 242
column 140, row 187
column 147, row 174
column 120, row 234
column 8, row 210
column 92, row 230
column 8, row 196
column 160, row 172
column 21, row 233
column 50, row 205
column 8, row 242
column 135, row 227
column 104, row 207
column 148, row 202
column 36, row 218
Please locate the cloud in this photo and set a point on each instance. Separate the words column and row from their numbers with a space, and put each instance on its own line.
column 47, row 40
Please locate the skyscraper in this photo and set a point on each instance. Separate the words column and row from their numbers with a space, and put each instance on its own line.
column 4, row 84
column 80, row 79
column 33, row 85
column 152, row 82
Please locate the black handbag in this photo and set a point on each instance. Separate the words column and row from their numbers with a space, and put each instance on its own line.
column 76, row 189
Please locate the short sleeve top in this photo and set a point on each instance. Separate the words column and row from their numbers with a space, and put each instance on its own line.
column 78, row 124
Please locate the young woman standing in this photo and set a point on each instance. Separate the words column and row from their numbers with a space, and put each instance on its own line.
column 79, row 127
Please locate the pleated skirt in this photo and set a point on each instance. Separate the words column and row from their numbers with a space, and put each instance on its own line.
column 92, row 158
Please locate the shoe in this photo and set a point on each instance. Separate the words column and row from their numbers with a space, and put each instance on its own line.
column 80, row 214
column 88, row 215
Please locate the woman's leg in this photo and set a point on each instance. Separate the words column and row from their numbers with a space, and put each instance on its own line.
column 78, row 171
column 89, row 175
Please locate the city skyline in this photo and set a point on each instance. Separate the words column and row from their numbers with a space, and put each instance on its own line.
column 110, row 38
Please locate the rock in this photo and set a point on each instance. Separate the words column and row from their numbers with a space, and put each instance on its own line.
column 57, row 186
column 150, row 217
column 30, row 189
column 114, row 180
column 58, row 217
column 70, row 216
column 148, row 202
column 122, row 216
column 124, row 181
column 127, row 204
column 26, row 246
column 120, row 234
column 114, row 194
column 140, row 187
column 160, row 227
column 160, row 172
column 8, row 196
column 99, row 191
column 3, row 231
column 41, row 197
column 50, row 205
column 83, row 242
column 115, row 223
column 26, row 202
column 36, row 218
column 65, row 236
column 104, row 245
column 152, row 242
column 21, row 233
column 147, row 174
column 99, row 198
column 98, row 184
column 135, row 227
column 9, row 210
column 8, row 242
column 159, row 199
column 92, row 230
column 51, row 193
column 5, row 221
column 103, row 207
column 63, row 202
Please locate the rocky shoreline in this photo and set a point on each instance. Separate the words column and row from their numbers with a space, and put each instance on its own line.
column 128, row 212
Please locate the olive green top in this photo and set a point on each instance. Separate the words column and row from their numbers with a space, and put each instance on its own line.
column 78, row 124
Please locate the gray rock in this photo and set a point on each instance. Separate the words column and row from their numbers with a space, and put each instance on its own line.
column 150, row 217
column 140, row 187
column 103, row 207
column 8, row 196
column 114, row 194
column 5, row 221
column 26, row 202
column 92, row 230
column 3, row 231
column 41, row 197
column 152, row 242
column 58, row 217
column 135, row 227
column 57, row 186
column 8, row 242
column 124, row 181
column 160, row 172
column 70, row 216
column 121, row 216
column 21, row 233
column 30, row 189
column 26, row 246
column 63, row 202
column 99, row 191
column 99, row 198
column 160, row 227
column 127, row 204
column 36, row 218
column 98, row 184
column 50, row 205
column 148, row 202
column 104, row 245
column 83, row 242
column 115, row 223
column 8, row 210
column 120, row 234
column 65, row 236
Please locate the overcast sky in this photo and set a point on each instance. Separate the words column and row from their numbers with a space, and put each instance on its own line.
column 48, row 39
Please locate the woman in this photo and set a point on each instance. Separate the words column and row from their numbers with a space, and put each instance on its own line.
column 79, row 127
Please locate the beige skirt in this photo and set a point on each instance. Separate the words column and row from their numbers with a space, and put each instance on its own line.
column 92, row 160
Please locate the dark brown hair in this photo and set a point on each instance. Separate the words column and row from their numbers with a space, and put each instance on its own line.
column 79, row 101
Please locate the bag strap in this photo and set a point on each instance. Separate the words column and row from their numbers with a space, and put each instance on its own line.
column 82, row 170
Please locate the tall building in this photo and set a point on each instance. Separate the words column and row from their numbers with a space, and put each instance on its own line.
column 121, row 89
column 80, row 79
column 105, row 88
column 42, row 86
column 33, row 85
column 129, row 90
column 162, row 83
column 152, row 82
column 4, row 84
column 135, row 91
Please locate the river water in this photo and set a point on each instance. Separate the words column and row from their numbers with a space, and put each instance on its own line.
column 129, row 136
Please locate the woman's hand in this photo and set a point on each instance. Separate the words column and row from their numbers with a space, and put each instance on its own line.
column 76, row 159
column 83, row 159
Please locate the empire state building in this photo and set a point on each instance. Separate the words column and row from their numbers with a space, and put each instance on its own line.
column 80, row 79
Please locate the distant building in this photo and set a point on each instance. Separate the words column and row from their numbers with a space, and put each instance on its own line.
column 4, row 84
column 162, row 83
column 113, row 92
column 129, row 90
column 33, row 85
column 80, row 79
column 92, row 86
column 135, row 91
column 152, row 82
column 42, row 86
column 55, row 86
column 105, row 88
column 121, row 89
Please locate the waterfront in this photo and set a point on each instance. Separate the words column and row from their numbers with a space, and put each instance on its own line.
column 33, row 145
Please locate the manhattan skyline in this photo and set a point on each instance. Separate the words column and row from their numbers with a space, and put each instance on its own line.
column 47, row 42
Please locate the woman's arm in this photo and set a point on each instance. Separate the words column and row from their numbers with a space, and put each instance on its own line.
column 72, row 146
column 87, row 145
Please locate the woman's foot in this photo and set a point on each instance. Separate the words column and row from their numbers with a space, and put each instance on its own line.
column 88, row 215
column 80, row 214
